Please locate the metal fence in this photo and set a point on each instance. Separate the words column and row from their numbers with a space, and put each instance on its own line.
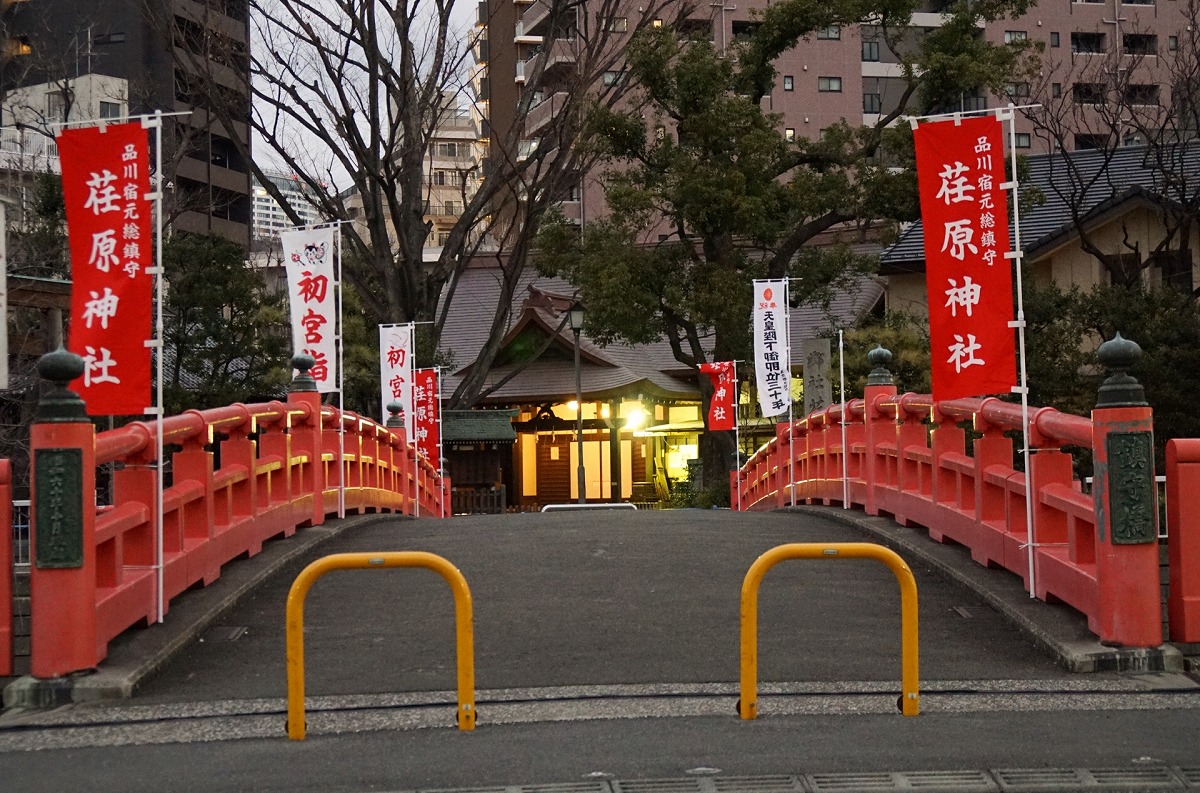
column 20, row 526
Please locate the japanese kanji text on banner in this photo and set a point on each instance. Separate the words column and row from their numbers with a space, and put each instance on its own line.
column 396, row 372
column 105, row 179
column 722, row 410
column 964, row 209
column 425, row 414
column 308, row 257
column 772, row 361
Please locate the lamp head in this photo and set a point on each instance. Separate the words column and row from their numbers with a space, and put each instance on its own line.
column 575, row 316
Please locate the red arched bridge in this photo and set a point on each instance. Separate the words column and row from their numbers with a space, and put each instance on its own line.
column 243, row 474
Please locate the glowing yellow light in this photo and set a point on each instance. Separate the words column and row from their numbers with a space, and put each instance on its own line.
column 572, row 405
column 635, row 419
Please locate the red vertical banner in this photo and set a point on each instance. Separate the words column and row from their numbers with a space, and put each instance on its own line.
column 722, row 410
column 426, row 414
column 105, row 179
column 968, row 277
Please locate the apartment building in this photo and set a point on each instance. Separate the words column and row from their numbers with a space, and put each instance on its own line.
column 159, row 50
column 269, row 217
column 1096, row 55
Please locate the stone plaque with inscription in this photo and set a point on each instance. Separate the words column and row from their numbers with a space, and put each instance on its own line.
column 58, row 508
column 1131, row 488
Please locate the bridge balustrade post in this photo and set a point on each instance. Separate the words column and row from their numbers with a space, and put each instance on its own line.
column 194, row 463
column 62, row 537
column 1127, row 565
column 306, row 437
column 395, row 423
column 879, row 428
column 781, row 464
column 1183, row 542
column 994, row 448
column 237, row 449
column 948, row 439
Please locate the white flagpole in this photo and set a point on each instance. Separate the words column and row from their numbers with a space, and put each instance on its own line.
column 845, row 458
column 737, row 433
column 1008, row 114
column 341, row 364
column 157, row 344
column 412, row 336
column 437, row 372
column 787, row 313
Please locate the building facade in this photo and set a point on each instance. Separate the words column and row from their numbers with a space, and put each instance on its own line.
column 164, row 52
column 1106, row 70
column 269, row 217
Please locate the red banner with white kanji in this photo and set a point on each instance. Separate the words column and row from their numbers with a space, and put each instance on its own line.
column 722, row 410
column 105, row 180
column 426, row 414
column 968, row 277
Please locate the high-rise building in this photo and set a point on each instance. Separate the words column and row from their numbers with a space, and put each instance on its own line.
column 269, row 217
column 163, row 51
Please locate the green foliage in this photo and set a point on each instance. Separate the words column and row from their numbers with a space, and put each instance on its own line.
column 37, row 245
column 905, row 336
column 1067, row 325
column 227, row 332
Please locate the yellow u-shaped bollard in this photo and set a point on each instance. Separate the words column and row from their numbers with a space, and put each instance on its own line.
column 464, row 632
column 909, row 698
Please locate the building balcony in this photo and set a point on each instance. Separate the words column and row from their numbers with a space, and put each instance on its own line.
column 543, row 113
column 560, row 53
column 572, row 210
column 26, row 150
column 534, row 18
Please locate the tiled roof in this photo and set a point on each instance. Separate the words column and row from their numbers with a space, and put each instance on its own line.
column 1092, row 180
column 478, row 425
column 604, row 371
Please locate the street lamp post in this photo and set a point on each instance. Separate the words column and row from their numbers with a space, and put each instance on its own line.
column 575, row 315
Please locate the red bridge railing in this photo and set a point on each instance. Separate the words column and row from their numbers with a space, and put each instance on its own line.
column 908, row 457
column 238, row 476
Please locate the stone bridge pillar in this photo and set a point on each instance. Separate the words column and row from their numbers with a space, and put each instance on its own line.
column 1127, row 567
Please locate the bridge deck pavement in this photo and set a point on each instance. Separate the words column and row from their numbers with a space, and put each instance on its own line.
column 587, row 624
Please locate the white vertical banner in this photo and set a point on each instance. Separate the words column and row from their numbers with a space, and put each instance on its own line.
column 308, row 256
column 396, row 372
column 772, row 355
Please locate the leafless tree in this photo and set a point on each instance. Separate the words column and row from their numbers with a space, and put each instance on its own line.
column 347, row 95
column 1111, row 91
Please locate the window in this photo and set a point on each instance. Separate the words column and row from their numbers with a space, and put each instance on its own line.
column 831, row 32
column 743, row 30
column 872, row 103
column 1140, row 44
column 789, row 135
column 447, row 149
column 974, row 103
column 1172, row 43
column 110, row 109
column 612, row 78
column 18, row 46
column 1023, row 140
column 870, row 51
column 615, row 24
column 1053, row 39
column 1176, row 268
column 1087, row 42
column 829, row 84
column 1011, row 36
column 443, row 236
column 789, row 83
column 56, row 106
column 1133, row 139
column 1088, row 93
column 1141, row 94
column 1083, row 142
column 657, row 23
column 1056, row 89
column 1017, row 89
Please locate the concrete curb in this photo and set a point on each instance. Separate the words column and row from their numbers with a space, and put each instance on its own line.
column 1058, row 629
column 138, row 653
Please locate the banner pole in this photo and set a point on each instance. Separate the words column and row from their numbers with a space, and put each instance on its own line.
column 1008, row 114
column 341, row 364
column 787, row 315
column 158, row 332
column 737, row 430
column 845, row 457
